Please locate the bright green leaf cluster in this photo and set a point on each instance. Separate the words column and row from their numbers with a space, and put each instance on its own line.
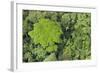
column 46, row 32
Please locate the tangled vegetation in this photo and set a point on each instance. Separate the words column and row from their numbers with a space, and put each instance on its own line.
column 56, row 36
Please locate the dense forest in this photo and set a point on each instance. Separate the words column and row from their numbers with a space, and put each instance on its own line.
column 56, row 36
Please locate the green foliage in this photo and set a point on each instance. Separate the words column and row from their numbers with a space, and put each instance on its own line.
column 44, row 32
column 51, row 57
column 39, row 53
column 28, row 56
column 55, row 36
column 66, row 54
column 79, row 43
column 66, row 19
column 52, row 48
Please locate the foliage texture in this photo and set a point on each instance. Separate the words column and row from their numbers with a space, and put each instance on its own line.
column 56, row 36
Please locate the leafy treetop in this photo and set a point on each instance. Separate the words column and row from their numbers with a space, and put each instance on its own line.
column 46, row 32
